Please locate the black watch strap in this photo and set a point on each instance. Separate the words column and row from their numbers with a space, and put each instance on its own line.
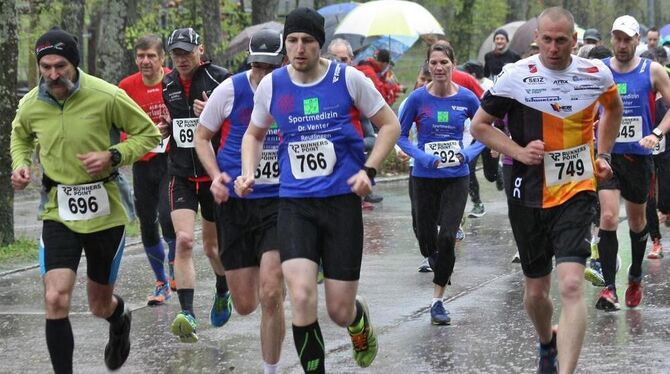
column 371, row 172
column 116, row 156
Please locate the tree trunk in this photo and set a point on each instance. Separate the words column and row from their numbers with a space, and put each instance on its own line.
column 73, row 20
column 211, row 30
column 263, row 11
column 8, row 60
column 112, row 62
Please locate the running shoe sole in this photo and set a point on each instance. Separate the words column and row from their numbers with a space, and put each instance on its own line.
column 182, row 328
column 593, row 277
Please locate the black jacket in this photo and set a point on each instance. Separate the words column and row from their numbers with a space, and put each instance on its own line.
column 184, row 162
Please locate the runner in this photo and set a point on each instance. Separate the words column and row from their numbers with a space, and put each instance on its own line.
column 314, row 102
column 638, row 80
column 440, row 174
column 84, row 208
column 247, row 227
column 553, row 173
column 150, row 179
column 183, row 89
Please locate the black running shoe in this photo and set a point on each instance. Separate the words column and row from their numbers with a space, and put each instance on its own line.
column 118, row 346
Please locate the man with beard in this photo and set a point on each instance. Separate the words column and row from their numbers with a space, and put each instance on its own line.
column 638, row 80
column 71, row 115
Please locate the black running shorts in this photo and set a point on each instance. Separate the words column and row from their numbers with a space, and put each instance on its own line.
column 61, row 247
column 632, row 175
column 187, row 194
column 328, row 229
column 246, row 228
column 563, row 232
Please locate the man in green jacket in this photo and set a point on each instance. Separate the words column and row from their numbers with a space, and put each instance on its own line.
column 75, row 117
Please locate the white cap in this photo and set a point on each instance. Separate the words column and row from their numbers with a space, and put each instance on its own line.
column 626, row 24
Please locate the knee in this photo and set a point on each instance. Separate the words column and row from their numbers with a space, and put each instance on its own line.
column 571, row 287
column 637, row 223
column 608, row 219
column 271, row 297
column 340, row 312
column 244, row 305
column 100, row 308
column 184, row 242
column 303, row 296
column 535, row 294
column 211, row 250
column 57, row 301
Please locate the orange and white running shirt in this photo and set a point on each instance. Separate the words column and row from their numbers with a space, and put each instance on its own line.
column 557, row 107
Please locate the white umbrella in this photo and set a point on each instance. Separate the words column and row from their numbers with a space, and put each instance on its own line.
column 389, row 17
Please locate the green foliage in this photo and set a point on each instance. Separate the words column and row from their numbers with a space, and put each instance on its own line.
column 22, row 250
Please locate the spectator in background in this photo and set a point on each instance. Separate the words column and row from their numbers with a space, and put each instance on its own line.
column 476, row 69
column 376, row 68
column 653, row 37
column 499, row 56
column 592, row 37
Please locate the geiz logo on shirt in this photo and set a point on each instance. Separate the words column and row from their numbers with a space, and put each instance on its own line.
column 557, row 107
column 442, row 116
column 311, row 106
column 534, row 80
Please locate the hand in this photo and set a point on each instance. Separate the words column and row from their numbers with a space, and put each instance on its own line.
column 20, row 178
column 164, row 125
column 360, row 183
column 199, row 105
column 96, row 162
column 402, row 156
column 532, row 153
column 603, row 169
column 219, row 189
column 244, row 185
column 649, row 141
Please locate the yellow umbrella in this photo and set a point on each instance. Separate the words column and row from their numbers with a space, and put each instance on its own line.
column 389, row 17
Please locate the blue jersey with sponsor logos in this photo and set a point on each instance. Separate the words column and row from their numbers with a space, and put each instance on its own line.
column 637, row 93
column 440, row 122
column 322, row 139
column 232, row 131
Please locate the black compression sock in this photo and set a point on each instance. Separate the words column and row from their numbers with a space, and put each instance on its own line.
column 221, row 285
column 608, row 246
column 638, row 243
column 309, row 344
column 359, row 315
column 186, row 299
column 115, row 319
column 60, row 343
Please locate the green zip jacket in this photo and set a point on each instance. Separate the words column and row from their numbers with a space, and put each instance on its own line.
column 87, row 121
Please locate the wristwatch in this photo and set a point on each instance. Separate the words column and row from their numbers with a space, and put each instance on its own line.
column 116, row 156
column 371, row 172
column 658, row 133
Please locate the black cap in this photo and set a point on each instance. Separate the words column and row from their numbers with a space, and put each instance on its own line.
column 501, row 32
column 592, row 34
column 266, row 46
column 186, row 39
column 306, row 20
column 57, row 42
column 383, row 55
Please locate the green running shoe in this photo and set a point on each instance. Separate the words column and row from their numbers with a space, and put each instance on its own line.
column 184, row 326
column 364, row 341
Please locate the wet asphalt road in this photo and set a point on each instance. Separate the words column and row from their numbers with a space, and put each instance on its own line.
column 489, row 333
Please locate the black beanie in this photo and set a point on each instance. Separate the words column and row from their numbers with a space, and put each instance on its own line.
column 501, row 32
column 57, row 42
column 308, row 21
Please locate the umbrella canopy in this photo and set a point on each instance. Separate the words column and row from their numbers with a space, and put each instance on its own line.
column 523, row 36
column 396, row 45
column 487, row 45
column 333, row 14
column 240, row 43
column 337, row 9
column 389, row 17
column 665, row 30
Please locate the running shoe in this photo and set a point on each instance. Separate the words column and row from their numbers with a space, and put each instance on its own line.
column 548, row 363
column 118, row 346
column 477, row 211
column 221, row 309
column 364, row 342
column 608, row 300
column 425, row 266
column 594, row 273
column 656, row 250
column 439, row 315
column 171, row 280
column 372, row 198
column 460, row 234
column 161, row 294
column 367, row 206
column 634, row 291
column 184, row 326
column 516, row 259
